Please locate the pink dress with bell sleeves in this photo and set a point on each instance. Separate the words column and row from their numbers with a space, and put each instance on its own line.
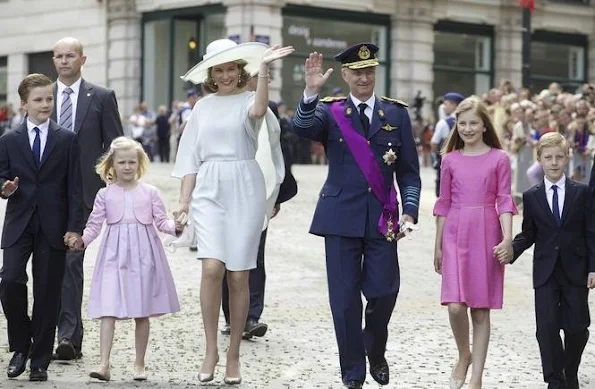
column 474, row 192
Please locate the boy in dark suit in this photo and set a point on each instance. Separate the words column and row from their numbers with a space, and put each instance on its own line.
column 39, row 176
column 558, row 218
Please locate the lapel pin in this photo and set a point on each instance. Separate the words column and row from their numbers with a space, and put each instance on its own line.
column 381, row 114
column 348, row 111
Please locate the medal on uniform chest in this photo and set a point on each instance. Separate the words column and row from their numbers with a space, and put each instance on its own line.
column 381, row 114
column 389, row 157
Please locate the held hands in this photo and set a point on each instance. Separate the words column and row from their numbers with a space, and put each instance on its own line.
column 503, row 251
column 180, row 220
column 183, row 209
column 74, row 241
column 276, row 52
column 9, row 187
column 314, row 76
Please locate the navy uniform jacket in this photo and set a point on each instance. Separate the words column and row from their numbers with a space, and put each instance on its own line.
column 346, row 204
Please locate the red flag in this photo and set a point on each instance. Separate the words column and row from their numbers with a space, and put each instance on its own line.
column 527, row 4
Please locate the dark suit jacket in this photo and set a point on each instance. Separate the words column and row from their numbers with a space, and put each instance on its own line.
column 54, row 189
column 288, row 188
column 573, row 241
column 97, row 123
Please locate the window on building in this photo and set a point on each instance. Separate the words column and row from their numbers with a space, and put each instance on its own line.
column 173, row 42
column 463, row 58
column 43, row 63
column 156, row 60
column 330, row 36
column 3, row 80
column 558, row 57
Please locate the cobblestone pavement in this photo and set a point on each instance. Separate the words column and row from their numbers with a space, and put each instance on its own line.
column 299, row 351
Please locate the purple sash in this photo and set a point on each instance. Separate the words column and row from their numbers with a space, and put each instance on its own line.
column 364, row 157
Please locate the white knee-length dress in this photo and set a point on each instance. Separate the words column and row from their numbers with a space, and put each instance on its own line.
column 219, row 144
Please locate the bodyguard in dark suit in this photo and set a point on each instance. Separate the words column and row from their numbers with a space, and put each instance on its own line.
column 39, row 176
column 558, row 219
column 92, row 113
column 368, row 140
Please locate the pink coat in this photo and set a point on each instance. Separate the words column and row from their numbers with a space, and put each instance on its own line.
column 109, row 206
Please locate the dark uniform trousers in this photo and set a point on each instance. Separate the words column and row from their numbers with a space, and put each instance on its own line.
column 37, row 332
column 560, row 304
column 257, row 283
column 355, row 265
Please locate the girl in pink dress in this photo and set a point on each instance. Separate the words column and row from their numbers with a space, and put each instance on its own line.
column 132, row 279
column 473, row 229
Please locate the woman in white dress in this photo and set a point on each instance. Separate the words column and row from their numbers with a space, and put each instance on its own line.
column 223, row 185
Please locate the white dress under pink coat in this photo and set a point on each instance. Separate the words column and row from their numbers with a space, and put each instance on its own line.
column 132, row 278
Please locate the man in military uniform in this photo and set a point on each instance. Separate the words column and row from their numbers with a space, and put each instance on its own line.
column 442, row 130
column 367, row 141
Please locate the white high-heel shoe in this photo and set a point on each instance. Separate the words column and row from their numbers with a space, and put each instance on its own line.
column 139, row 375
column 232, row 380
column 208, row 377
column 456, row 382
column 205, row 377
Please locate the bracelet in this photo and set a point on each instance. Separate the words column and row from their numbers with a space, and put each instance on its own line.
column 264, row 75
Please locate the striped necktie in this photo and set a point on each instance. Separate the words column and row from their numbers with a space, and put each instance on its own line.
column 66, row 109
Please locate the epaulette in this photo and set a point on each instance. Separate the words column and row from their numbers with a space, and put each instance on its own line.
column 332, row 99
column 394, row 101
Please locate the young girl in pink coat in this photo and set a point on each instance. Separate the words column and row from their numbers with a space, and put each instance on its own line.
column 473, row 230
column 132, row 279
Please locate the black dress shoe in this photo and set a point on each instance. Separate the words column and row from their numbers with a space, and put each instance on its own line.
column 56, row 357
column 38, row 374
column 379, row 371
column 66, row 351
column 254, row 328
column 17, row 364
column 352, row 385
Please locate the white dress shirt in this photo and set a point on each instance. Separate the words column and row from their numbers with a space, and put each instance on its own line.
column 74, row 96
column 370, row 105
column 43, row 134
column 549, row 192
column 368, row 111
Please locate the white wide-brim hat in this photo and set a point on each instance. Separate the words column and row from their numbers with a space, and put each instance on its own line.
column 225, row 50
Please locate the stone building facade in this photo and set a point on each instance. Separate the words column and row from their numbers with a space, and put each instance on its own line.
column 140, row 47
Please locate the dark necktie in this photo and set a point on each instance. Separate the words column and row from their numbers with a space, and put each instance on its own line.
column 36, row 146
column 364, row 119
column 556, row 206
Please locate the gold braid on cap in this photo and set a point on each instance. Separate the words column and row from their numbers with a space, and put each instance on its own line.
column 361, row 64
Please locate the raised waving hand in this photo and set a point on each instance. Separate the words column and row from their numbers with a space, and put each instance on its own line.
column 315, row 75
